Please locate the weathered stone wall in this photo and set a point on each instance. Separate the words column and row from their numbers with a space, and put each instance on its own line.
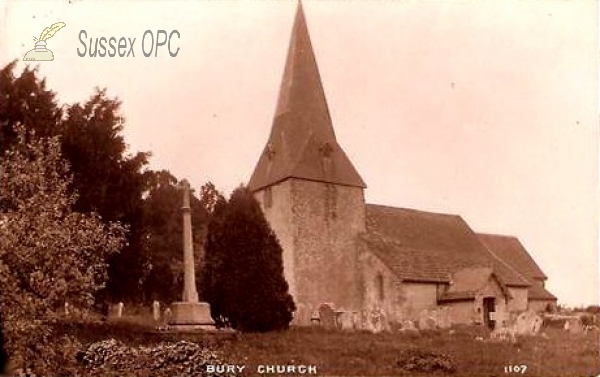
column 492, row 289
column 518, row 302
column 392, row 299
column 472, row 312
column 279, row 216
column 318, row 225
column 464, row 312
column 416, row 298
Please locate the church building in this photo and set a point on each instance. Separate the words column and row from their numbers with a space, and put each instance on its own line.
column 342, row 253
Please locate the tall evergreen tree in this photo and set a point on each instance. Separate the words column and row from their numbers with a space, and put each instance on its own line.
column 244, row 280
column 109, row 182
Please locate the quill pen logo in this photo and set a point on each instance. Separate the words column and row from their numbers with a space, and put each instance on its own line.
column 40, row 52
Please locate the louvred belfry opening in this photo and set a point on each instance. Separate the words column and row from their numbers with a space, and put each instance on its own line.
column 302, row 143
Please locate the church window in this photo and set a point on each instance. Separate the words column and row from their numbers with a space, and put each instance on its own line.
column 268, row 197
column 380, row 287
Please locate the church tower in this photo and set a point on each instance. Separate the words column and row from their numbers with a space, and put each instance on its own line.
column 309, row 190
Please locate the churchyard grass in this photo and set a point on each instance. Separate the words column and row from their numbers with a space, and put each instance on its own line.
column 334, row 352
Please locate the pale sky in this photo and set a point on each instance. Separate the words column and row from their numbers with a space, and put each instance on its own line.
column 487, row 109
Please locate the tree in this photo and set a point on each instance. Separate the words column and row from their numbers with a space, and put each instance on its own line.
column 110, row 183
column 108, row 180
column 49, row 254
column 164, row 234
column 25, row 100
column 244, row 280
column 209, row 196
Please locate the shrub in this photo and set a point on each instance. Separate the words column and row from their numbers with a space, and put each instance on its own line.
column 416, row 360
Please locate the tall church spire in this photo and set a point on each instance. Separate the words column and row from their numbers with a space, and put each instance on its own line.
column 302, row 143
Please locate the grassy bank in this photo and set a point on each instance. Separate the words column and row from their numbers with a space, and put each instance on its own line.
column 557, row 353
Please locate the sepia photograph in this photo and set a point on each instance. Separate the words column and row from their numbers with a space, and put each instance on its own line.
column 299, row 187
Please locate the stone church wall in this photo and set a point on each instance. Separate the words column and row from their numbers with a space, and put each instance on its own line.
column 278, row 212
column 418, row 297
column 492, row 289
column 464, row 312
column 518, row 302
column 317, row 225
column 381, row 288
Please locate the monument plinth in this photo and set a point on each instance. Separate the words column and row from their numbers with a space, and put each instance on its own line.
column 189, row 314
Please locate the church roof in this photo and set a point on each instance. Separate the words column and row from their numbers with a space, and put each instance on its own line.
column 429, row 247
column 466, row 283
column 514, row 253
column 510, row 250
column 302, row 143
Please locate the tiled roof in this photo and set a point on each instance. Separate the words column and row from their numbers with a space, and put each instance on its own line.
column 429, row 247
column 466, row 283
column 537, row 292
column 302, row 143
column 510, row 250
column 457, row 296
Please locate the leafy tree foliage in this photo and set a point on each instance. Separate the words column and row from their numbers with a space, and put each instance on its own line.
column 110, row 183
column 107, row 180
column 164, row 231
column 244, row 280
column 49, row 254
column 25, row 100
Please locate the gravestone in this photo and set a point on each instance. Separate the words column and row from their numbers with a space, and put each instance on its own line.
column 528, row 323
column 120, row 306
column 377, row 321
column 383, row 320
column 327, row 316
column 315, row 320
column 366, row 322
column 344, row 320
column 574, row 325
column 408, row 326
column 443, row 318
column 156, row 311
column 356, row 322
column 168, row 314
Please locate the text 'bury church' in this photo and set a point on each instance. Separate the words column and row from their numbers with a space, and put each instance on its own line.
column 356, row 257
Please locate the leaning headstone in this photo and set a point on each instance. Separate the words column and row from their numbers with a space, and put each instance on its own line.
column 327, row 316
column 528, row 323
column 156, row 311
column 120, row 310
column 427, row 321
